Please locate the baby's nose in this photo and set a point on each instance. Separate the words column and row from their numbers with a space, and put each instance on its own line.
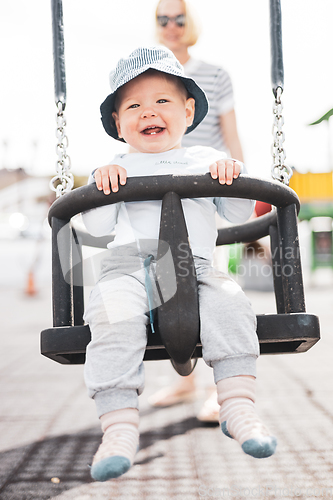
column 148, row 112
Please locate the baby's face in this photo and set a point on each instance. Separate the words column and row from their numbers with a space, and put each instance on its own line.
column 153, row 113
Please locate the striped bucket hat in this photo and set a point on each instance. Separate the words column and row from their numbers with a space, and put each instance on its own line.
column 139, row 61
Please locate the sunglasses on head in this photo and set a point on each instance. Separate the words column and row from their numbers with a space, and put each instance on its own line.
column 164, row 20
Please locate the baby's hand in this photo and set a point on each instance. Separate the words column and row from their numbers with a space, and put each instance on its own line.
column 225, row 171
column 108, row 175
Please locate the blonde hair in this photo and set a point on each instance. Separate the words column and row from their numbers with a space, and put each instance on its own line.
column 191, row 29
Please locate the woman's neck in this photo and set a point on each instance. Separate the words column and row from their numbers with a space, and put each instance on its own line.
column 182, row 55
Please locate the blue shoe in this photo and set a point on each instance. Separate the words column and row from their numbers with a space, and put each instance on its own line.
column 260, row 448
column 110, row 468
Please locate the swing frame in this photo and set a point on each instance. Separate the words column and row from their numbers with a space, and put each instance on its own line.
column 290, row 329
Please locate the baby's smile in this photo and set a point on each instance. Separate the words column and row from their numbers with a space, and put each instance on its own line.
column 153, row 130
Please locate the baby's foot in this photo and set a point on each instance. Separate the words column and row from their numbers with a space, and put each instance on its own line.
column 239, row 420
column 246, row 427
column 116, row 453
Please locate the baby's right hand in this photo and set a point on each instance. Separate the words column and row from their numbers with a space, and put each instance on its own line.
column 108, row 175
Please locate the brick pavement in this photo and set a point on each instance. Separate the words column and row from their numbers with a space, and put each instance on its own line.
column 49, row 431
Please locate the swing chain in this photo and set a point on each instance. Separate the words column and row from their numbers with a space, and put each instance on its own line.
column 280, row 171
column 63, row 182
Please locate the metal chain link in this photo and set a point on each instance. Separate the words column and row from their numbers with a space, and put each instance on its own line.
column 63, row 182
column 280, row 171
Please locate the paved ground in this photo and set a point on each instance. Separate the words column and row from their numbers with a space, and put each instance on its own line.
column 49, row 430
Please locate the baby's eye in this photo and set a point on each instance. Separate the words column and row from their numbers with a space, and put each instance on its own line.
column 161, row 101
column 133, row 106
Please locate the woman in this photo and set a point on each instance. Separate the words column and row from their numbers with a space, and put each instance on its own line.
column 177, row 30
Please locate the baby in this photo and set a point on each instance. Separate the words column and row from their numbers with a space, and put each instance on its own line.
column 151, row 107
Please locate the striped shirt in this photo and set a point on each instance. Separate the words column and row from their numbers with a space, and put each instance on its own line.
column 217, row 85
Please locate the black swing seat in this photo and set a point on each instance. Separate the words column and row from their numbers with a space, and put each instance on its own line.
column 277, row 333
column 177, row 331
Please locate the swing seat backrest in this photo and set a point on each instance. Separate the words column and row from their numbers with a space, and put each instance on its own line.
column 178, row 317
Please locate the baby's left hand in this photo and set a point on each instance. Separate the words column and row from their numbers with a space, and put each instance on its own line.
column 225, row 171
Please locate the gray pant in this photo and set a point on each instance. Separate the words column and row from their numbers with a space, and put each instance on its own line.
column 118, row 314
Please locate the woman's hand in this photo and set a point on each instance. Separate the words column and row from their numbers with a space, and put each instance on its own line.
column 225, row 171
column 108, row 176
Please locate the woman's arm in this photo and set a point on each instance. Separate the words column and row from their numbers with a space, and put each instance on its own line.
column 228, row 125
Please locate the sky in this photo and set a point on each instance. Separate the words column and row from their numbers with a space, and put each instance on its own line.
column 235, row 35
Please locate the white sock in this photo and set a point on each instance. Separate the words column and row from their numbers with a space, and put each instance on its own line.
column 116, row 453
column 238, row 418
